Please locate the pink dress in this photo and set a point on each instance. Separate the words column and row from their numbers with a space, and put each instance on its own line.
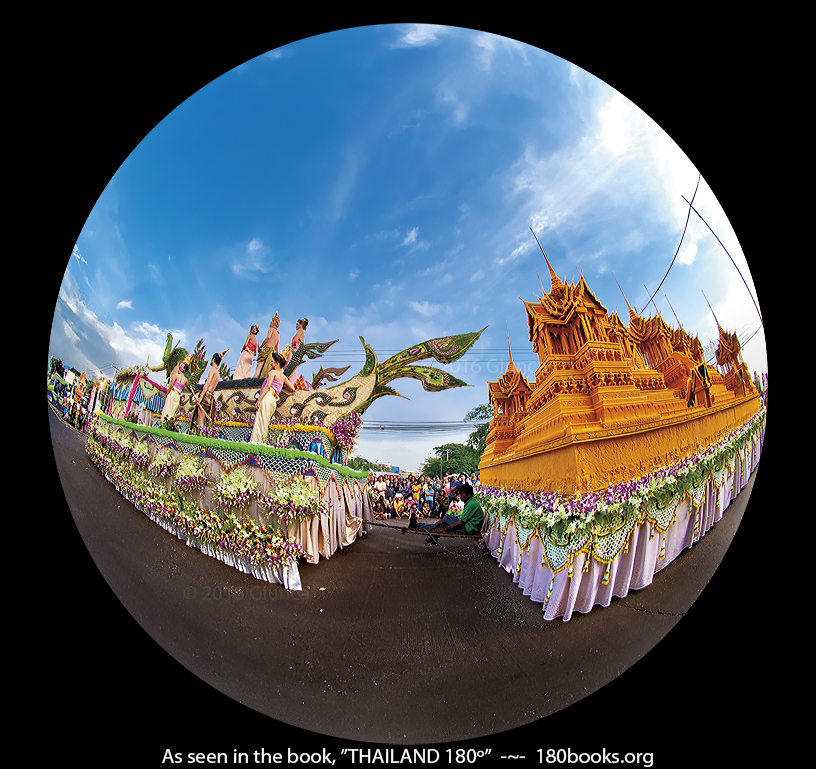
column 276, row 385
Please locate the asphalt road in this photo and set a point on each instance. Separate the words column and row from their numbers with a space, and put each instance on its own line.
column 391, row 642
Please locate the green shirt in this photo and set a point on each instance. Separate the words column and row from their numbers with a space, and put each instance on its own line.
column 472, row 516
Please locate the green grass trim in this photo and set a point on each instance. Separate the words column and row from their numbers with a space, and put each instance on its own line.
column 245, row 448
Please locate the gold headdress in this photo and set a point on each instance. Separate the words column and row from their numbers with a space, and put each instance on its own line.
column 275, row 321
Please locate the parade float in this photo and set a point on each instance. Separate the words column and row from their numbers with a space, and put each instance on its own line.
column 624, row 451
column 257, row 507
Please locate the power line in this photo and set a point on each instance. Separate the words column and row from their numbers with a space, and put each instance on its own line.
column 729, row 256
column 423, row 427
column 688, row 216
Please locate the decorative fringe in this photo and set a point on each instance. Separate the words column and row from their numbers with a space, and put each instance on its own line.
column 549, row 592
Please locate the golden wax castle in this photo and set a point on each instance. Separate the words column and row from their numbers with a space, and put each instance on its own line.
column 609, row 402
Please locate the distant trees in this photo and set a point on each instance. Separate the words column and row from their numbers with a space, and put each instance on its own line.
column 361, row 463
column 477, row 440
column 451, row 458
column 462, row 458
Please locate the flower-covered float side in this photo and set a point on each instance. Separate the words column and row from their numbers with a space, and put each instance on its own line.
column 258, row 506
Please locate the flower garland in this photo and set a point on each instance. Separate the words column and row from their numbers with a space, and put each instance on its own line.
column 346, row 429
column 189, row 474
column 163, row 464
column 294, row 500
column 140, row 454
column 279, row 439
column 291, row 425
column 558, row 516
column 131, row 371
column 108, row 428
column 235, row 489
column 261, row 545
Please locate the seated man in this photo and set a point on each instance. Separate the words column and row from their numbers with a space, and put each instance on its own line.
column 468, row 521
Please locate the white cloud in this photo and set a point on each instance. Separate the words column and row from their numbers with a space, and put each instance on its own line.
column 627, row 134
column 447, row 96
column 515, row 253
column 433, row 269
column 634, row 241
column 344, row 185
column 106, row 340
column 125, row 305
column 73, row 337
column 574, row 189
column 253, row 260
column 412, row 240
column 410, row 237
column 424, row 308
column 490, row 45
column 79, row 257
column 418, row 35
column 687, row 253
column 354, row 273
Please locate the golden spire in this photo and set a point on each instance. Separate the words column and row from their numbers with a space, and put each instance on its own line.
column 554, row 279
column 675, row 314
column 712, row 311
column 651, row 299
column 510, row 366
column 632, row 313
column 543, row 290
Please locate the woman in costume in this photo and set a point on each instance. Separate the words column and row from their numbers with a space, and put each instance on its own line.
column 268, row 346
column 290, row 349
column 244, row 368
column 174, row 389
column 205, row 401
column 268, row 398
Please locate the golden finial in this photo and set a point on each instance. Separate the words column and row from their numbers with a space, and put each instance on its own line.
column 510, row 366
column 632, row 313
column 554, row 279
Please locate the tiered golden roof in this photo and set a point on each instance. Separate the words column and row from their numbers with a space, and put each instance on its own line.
column 609, row 402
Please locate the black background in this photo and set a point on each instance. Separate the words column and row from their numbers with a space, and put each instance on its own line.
column 704, row 694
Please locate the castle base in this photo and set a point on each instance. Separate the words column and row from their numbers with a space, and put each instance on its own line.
column 595, row 460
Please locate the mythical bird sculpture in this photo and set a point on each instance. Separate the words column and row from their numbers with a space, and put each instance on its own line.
column 196, row 361
column 326, row 406
column 311, row 351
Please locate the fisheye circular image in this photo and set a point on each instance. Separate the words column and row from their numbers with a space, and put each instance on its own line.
column 406, row 385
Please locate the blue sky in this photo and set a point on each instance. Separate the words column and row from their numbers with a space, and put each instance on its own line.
column 381, row 181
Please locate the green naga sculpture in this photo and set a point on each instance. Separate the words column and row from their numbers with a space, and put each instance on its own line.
column 327, row 405
column 196, row 361
column 311, row 351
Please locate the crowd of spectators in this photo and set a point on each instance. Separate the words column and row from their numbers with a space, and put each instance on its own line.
column 395, row 496
column 74, row 412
